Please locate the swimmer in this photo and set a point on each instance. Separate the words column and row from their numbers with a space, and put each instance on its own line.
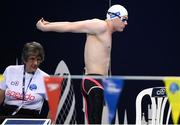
column 96, row 53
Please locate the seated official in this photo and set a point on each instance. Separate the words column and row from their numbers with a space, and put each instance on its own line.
column 22, row 92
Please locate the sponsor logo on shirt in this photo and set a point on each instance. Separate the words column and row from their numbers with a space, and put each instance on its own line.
column 19, row 96
column 33, row 87
column 15, row 83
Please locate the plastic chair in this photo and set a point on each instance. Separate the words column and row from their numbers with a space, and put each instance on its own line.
column 159, row 100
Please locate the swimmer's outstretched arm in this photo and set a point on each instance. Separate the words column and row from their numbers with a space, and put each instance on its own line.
column 93, row 26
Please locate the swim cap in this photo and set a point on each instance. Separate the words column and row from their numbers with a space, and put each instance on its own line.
column 115, row 11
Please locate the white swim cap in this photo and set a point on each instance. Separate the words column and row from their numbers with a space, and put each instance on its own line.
column 115, row 11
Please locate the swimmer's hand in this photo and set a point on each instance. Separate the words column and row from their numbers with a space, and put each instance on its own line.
column 41, row 24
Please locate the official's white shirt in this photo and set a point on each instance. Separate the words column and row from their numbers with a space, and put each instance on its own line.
column 34, row 93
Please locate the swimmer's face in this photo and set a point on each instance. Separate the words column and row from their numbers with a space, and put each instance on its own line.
column 120, row 23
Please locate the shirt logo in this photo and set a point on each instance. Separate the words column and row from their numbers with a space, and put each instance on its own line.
column 19, row 96
column 33, row 87
column 14, row 83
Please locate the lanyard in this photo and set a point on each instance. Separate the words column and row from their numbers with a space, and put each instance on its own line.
column 23, row 84
column 23, row 90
